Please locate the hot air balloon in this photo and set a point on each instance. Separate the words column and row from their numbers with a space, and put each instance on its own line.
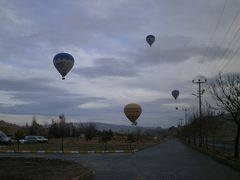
column 63, row 62
column 133, row 111
column 150, row 39
column 175, row 94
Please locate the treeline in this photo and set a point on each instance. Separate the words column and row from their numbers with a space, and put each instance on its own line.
column 60, row 128
column 214, row 129
column 219, row 126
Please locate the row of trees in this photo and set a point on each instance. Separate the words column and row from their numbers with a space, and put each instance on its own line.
column 87, row 130
column 61, row 129
column 206, row 131
column 224, row 116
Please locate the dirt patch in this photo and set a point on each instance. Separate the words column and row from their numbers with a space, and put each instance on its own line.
column 42, row 169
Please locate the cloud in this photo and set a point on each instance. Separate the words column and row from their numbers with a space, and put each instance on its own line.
column 113, row 62
column 94, row 105
column 39, row 97
column 175, row 50
column 109, row 67
column 27, row 85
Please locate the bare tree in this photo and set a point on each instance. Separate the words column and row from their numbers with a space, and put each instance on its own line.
column 226, row 90
column 90, row 131
column 106, row 136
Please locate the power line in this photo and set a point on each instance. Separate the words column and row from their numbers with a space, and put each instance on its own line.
column 230, row 59
column 225, row 36
column 215, row 30
column 227, row 52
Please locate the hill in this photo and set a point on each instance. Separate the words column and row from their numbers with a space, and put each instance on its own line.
column 124, row 128
column 10, row 128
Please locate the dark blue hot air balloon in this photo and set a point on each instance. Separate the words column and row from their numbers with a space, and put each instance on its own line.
column 63, row 62
column 175, row 94
column 150, row 39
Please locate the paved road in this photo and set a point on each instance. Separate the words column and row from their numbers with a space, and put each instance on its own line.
column 167, row 161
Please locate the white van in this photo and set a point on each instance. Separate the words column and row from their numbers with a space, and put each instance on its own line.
column 35, row 139
column 4, row 140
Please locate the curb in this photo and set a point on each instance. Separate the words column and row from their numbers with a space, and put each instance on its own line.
column 69, row 152
column 215, row 157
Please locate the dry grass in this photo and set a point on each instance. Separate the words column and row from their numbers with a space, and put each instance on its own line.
column 76, row 144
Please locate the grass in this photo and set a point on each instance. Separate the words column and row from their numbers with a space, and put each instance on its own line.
column 76, row 144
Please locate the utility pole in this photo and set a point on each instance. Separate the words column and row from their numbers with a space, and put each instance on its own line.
column 62, row 128
column 199, row 95
column 185, row 109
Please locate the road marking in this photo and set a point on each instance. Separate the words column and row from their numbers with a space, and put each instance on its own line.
column 69, row 152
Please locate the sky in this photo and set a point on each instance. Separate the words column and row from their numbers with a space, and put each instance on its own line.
column 114, row 65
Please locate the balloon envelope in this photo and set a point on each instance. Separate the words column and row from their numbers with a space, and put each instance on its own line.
column 150, row 39
column 63, row 62
column 175, row 94
column 132, row 111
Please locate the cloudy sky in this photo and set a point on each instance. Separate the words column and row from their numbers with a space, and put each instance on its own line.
column 114, row 65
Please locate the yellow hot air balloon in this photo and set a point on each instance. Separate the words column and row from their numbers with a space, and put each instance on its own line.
column 133, row 111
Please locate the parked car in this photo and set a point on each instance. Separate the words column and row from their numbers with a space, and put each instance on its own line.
column 34, row 139
column 42, row 139
column 4, row 140
column 22, row 141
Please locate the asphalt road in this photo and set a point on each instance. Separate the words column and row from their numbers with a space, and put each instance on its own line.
column 167, row 161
